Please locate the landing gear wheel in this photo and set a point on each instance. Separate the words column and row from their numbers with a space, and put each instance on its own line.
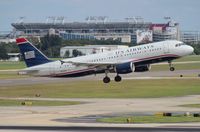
column 172, row 68
column 118, row 78
column 106, row 79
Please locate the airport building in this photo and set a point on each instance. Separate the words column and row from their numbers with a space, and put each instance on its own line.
column 134, row 30
column 14, row 56
column 190, row 36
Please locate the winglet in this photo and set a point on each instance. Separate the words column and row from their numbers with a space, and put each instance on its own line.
column 20, row 40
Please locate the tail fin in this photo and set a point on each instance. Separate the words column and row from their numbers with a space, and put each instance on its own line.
column 32, row 56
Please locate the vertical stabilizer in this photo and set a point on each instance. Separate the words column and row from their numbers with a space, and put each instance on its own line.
column 32, row 56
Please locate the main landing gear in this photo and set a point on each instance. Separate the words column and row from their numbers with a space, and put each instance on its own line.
column 106, row 79
column 118, row 78
column 171, row 68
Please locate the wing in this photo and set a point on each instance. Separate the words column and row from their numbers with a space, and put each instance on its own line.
column 97, row 64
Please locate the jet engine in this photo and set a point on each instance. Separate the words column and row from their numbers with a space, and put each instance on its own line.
column 124, row 68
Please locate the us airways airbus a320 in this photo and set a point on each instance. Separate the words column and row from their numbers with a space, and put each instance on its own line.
column 121, row 61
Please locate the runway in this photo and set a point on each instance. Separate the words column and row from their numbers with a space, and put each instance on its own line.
column 59, row 118
column 61, row 115
column 95, row 129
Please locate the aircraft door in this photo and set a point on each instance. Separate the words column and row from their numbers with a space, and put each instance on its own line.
column 52, row 68
column 166, row 48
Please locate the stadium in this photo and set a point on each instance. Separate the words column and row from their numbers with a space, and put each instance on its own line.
column 129, row 30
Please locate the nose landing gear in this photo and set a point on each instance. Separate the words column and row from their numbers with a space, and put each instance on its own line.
column 171, row 66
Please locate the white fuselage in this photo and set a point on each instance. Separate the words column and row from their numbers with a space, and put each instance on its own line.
column 137, row 54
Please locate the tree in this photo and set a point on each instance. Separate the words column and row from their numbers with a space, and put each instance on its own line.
column 76, row 53
column 3, row 52
column 92, row 42
column 196, row 48
column 66, row 55
column 11, row 47
column 50, row 45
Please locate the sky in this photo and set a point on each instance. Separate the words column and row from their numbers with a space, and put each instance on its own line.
column 185, row 12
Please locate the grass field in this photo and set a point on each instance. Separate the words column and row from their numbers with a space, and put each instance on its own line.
column 96, row 89
column 191, row 105
column 11, row 75
column 5, row 65
column 189, row 58
column 150, row 119
column 4, row 102
column 187, row 66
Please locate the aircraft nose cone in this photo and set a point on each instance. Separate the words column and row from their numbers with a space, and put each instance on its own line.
column 190, row 49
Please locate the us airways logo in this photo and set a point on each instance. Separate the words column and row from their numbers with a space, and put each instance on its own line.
column 29, row 54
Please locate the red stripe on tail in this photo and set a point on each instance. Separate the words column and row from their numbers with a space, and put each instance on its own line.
column 20, row 40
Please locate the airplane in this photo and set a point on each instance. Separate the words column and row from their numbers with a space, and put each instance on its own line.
column 121, row 61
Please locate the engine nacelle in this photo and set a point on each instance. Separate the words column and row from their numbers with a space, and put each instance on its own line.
column 124, row 68
column 142, row 68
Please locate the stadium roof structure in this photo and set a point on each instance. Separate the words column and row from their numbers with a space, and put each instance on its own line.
column 81, row 25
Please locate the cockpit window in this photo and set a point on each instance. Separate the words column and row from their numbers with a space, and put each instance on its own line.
column 180, row 44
